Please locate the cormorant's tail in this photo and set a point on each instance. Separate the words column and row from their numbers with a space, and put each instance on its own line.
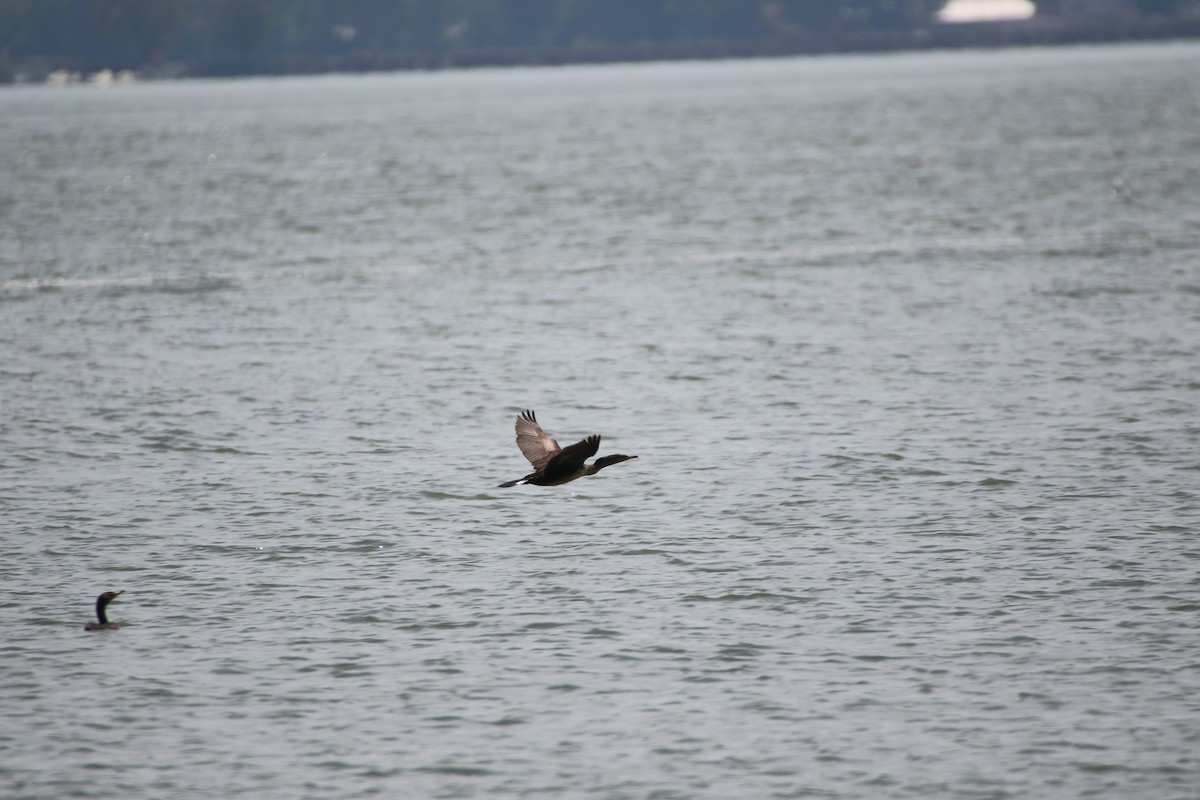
column 511, row 483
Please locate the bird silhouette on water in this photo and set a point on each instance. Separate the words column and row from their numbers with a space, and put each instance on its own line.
column 554, row 465
column 102, row 623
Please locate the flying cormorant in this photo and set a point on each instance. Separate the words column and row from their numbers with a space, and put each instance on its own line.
column 554, row 465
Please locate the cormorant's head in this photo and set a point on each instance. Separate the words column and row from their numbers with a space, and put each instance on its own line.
column 108, row 597
column 608, row 461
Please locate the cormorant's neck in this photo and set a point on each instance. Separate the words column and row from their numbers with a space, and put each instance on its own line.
column 100, row 615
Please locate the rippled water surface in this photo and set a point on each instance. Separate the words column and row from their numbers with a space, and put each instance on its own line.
column 906, row 346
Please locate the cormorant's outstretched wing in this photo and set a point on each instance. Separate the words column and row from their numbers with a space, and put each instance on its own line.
column 571, row 458
column 535, row 443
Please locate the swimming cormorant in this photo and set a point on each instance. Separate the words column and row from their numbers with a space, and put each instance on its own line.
column 103, row 625
column 554, row 465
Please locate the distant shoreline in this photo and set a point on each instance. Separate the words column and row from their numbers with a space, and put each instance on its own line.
column 948, row 36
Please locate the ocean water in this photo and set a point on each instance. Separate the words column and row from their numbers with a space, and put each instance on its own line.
column 907, row 346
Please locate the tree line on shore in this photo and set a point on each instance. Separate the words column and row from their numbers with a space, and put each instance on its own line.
column 242, row 36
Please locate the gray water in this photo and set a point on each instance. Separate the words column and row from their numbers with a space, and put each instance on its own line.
column 906, row 346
